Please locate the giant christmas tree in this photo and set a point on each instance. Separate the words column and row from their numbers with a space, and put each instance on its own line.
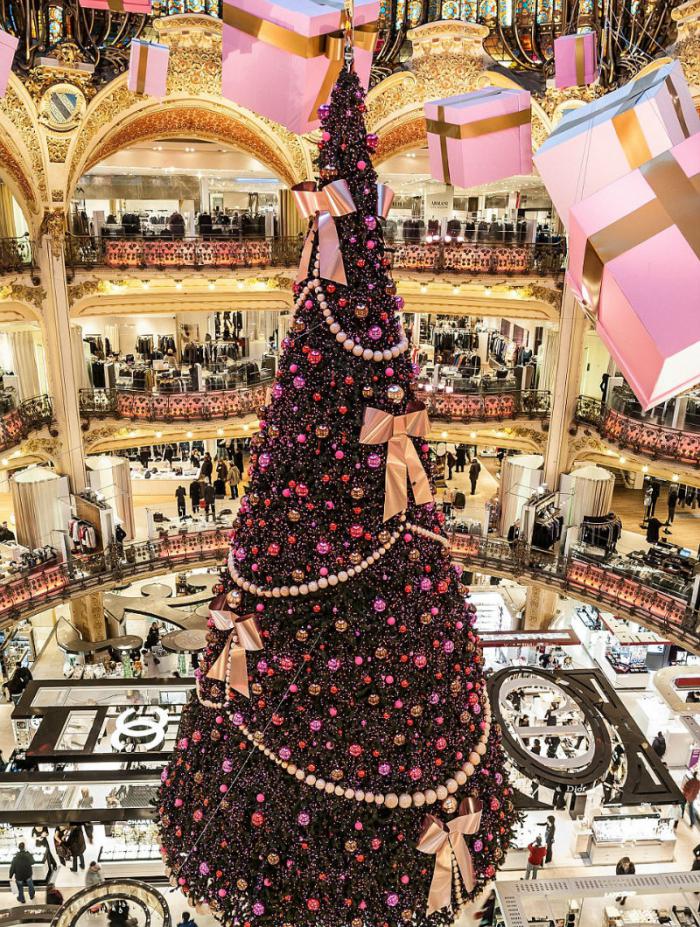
column 337, row 767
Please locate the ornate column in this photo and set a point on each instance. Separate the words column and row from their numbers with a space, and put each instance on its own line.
column 63, row 384
column 567, row 378
column 88, row 615
column 540, row 608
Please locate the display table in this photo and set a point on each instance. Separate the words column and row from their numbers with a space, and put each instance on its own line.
column 645, row 838
column 623, row 680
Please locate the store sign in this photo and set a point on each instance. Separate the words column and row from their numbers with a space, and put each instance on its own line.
column 141, row 729
column 439, row 204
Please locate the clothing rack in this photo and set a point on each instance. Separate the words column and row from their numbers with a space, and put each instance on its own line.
column 538, row 507
column 601, row 531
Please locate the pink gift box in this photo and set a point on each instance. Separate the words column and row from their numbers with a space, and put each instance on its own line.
column 480, row 136
column 8, row 47
column 148, row 68
column 575, row 60
column 118, row 6
column 598, row 143
column 634, row 259
column 280, row 59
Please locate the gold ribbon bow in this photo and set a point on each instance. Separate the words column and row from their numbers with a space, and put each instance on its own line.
column 402, row 461
column 231, row 665
column 325, row 206
column 331, row 45
column 442, row 841
column 676, row 202
column 142, row 69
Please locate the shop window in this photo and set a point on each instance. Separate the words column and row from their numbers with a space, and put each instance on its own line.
column 76, row 731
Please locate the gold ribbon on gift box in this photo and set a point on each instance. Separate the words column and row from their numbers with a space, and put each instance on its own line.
column 625, row 120
column 331, row 44
column 402, row 461
column 231, row 666
column 142, row 68
column 580, row 60
column 476, row 129
column 676, row 202
column 443, row 841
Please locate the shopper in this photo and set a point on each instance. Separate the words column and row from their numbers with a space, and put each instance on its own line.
column 210, row 500
column 60, row 842
column 207, row 468
column 690, row 790
column 474, row 471
column 153, row 640
column 6, row 534
column 625, row 866
column 549, row 832
column 76, row 845
column 22, row 870
column 194, row 459
column 451, row 461
column 513, row 535
column 461, row 458
column 195, row 495
column 181, row 495
column 222, row 470
column 672, row 501
column 659, row 745
column 168, row 455
column 448, row 498
column 53, row 896
column 40, row 836
column 234, row 478
column 186, row 920
column 535, row 859
column 93, row 876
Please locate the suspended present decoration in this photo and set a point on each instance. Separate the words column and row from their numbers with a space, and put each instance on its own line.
column 118, row 6
column 634, row 260
column 148, row 68
column 598, row 143
column 298, row 46
column 478, row 137
column 575, row 60
column 8, row 47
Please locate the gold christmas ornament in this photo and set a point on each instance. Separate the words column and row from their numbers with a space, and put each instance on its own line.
column 355, row 558
column 399, row 740
column 337, row 775
column 297, row 575
column 351, row 845
column 302, row 635
column 416, row 711
column 383, row 536
column 381, row 653
column 449, row 806
column 395, row 393
column 273, row 431
column 367, row 392
column 426, row 618
column 414, row 554
column 373, row 699
column 241, row 885
column 314, row 689
column 322, row 431
column 357, row 492
column 341, row 625
column 299, row 325
column 273, row 859
column 293, row 515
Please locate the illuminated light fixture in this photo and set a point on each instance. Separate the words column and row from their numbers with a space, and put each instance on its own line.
column 219, row 431
column 178, row 285
column 423, row 288
column 212, row 285
column 189, row 434
column 159, row 434
column 645, row 468
column 245, row 428
column 146, row 285
column 460, row 238
column 622, row 459
column 240, row 284
column 448, row 239
column 449, row 389
column 444, row 434
column 472, row 434
column 456, row 290
column 133, row 434
column 487, row 291
column 675, row 477
column 5, row 461
column 428, row 387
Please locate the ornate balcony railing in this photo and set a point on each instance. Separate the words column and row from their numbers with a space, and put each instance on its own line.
column 30, row 415
column 151, row 407
column 16, row 255
column 639, row 435
column 237, row 251
column 31, row 591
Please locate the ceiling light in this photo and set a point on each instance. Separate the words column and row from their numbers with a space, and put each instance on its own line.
column 424, row 288
column 219, row 431
column 674, row 477
column 472, row 434
column 212, row 285
column 5, row 461
column 159, row 434
column 622, row 459
column 178, row 285
column 455, row 290
column 189, row 434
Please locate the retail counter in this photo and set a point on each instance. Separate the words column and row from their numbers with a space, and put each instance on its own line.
column 131, row 848
column 645, row 838
column 632, row 678
column 8, row 847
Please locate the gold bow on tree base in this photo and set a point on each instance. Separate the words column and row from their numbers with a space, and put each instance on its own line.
column 231, row 666
column 443, row 841
column 402, row 461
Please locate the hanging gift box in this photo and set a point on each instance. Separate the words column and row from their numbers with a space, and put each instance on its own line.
column 148, row 68
column 598, row 143
column 8, row 47
column 478, row 137
column 575, row 60
column 296, row 50
column 118, row 6
column 634, row 261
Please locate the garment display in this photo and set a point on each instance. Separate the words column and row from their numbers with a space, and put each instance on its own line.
column 601, row 531
column 83, row 535
column 547, row 529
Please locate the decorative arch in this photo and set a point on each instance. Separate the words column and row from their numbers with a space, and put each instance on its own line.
column 22, row 152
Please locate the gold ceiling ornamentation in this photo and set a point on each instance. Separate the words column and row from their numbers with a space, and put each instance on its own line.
column 16, row 111
column 404, row 137
column 47, row 448
column 33, row 295
column 77, row 291
column 548, row 294
column 58, row 148
column 54, row 225
column 11, row 163
column 41, row 78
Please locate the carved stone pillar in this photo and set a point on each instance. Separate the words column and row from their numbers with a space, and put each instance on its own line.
column 567, row 378
column 88, row 615
column 687, row 15
column 540, row 608
column 63, row 384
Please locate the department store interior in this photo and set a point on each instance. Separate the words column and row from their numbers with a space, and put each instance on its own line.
column 130, row 392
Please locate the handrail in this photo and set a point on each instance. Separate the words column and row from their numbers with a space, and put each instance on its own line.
column 16, row 255
column 238, row 250
column 30, row 592
column 497, row 405
column 643, row 437
column 30, row 415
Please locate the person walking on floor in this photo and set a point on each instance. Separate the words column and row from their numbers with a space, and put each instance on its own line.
column 207, row 468
column 222, row 470
column 535, row 859
column 659, row 745
column 690, row 789
column 625, row 866
column 76, row 845
column 186, row 920
column 461, row 458
column 234, row 478
column 210, row 500
column 549, row 832
column 40, row 835
column 22, row 870
column 474, row 471
column 195, row 495
column 152, row 640
column 451, row 461
column 181, row 495
column 93, row 876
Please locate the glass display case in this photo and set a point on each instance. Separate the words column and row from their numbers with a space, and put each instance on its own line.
column 10, row 837
column 131, row 848
column 645, row 838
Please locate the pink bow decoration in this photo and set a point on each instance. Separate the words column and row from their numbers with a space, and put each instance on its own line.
column 231, row 666
column 402, row 460
column 445, row 840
